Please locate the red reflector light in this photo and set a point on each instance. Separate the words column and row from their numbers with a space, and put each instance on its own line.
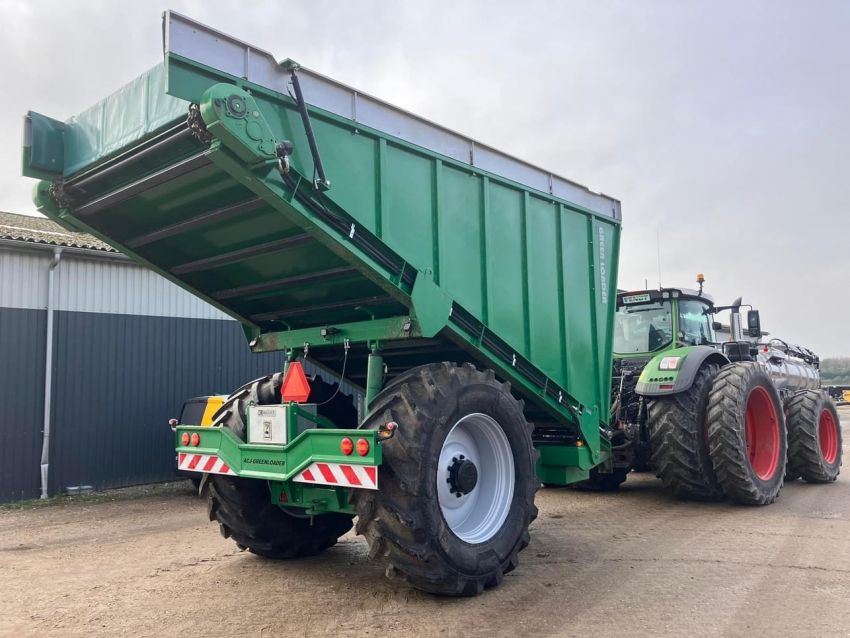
column 666, row 386
column 346, row 446
column 195, row 439
column 184, row 439
column 362, row 447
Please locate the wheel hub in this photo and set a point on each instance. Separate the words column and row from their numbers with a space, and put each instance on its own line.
column 463, row 476
column 475, row 478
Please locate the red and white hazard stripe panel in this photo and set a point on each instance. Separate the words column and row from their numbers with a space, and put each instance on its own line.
column 341, row 475
column 203, row 463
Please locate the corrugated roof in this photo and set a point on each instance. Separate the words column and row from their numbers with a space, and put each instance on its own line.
column 40, row 230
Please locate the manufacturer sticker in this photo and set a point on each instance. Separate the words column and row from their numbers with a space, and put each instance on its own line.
column 603, row 270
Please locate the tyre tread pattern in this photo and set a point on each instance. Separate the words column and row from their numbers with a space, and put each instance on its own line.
column 677, row 439
column 727, row 404
column 242, row 507
column 392, row 520
column 805, row 458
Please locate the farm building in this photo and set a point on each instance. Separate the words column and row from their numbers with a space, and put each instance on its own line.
column 97, row 354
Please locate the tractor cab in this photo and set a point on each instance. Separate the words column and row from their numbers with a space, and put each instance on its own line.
column 651, row 321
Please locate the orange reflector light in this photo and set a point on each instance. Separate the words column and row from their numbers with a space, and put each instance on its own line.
column 387, row 431
column 295, row 386
column 195, row 439
column 346, row 446
column 184, row 439
column 362, row 447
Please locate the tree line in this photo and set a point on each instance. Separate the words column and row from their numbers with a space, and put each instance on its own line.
column 835, row 371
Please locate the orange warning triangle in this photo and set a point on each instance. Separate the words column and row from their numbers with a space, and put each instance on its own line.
column 295, row 386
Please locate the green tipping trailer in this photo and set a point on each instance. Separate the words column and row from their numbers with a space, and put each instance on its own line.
column 470, row 294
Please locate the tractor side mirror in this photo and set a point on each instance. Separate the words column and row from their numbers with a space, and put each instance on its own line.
column 753, row 323
column 716, row 325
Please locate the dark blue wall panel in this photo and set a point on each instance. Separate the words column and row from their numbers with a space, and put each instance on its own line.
column 119, row 378
column 21, row 401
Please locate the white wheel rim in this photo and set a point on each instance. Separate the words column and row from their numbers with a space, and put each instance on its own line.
column 477, row 516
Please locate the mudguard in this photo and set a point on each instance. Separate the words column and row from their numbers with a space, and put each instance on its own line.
column 656, row 380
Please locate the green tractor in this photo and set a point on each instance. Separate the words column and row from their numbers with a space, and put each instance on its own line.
column 713, row 419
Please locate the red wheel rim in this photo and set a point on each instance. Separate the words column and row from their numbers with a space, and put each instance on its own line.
column 828, row 436
column 762, row 431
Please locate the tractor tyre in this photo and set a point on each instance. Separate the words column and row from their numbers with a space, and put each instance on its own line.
column 243, row 507
column 746, row 434
column 457, row 482
column 814, row 437
column 602, row 482
column 677, row 435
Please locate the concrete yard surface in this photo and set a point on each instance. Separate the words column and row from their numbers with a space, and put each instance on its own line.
column 146, row 562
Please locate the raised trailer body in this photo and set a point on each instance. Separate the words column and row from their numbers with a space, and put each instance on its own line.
column 337, row 227
column 427, row 244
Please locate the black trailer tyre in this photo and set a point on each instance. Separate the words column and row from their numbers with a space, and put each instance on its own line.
column 243, row 507
column 457, row 482
column 814, row 437
column 679, row 441
column 746, row 434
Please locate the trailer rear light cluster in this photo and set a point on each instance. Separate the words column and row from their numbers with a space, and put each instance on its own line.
column 186, row 439
column 362, row 447
column 346, row 446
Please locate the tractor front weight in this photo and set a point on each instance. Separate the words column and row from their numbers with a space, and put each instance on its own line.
column 309, row 467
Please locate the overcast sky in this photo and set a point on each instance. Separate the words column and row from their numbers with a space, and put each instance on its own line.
column 723, row 127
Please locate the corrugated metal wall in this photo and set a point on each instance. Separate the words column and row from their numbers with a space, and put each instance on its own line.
column 129, row 348
column 21, row 401
column 119, row 378
column 93, row 283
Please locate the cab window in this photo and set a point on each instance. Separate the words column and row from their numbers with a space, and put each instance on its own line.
column 694, row 323
column 643, row 328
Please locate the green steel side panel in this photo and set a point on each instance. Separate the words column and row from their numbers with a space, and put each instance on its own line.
column 459, row 216
column 606, row 262
column 503, row 246
column 407, row 196
column 577, row 308
column 353, row 161
column 546, row 348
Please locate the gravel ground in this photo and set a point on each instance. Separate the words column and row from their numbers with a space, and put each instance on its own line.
column 146, row 562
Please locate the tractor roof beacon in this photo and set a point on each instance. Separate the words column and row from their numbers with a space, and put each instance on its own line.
column 713, row 419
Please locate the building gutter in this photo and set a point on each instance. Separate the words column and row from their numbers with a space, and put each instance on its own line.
column 48, row 370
